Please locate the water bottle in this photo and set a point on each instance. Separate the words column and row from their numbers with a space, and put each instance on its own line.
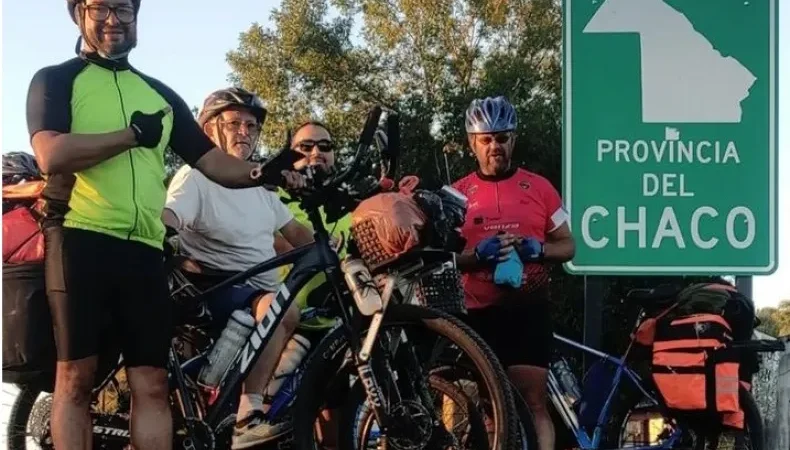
column 510, row 271
column 567, row 381
column 239, row 327
column 295, row 350
column 361, row 283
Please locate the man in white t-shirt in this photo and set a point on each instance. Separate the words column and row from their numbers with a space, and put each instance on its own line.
column 233, row 230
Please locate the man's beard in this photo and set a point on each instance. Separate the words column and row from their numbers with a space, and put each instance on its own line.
column 111, row 50
column 117, row 50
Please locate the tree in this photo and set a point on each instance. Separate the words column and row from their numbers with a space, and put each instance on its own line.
column 775, row 321
column 425, row 59
column 768, row 325
column 782, row 318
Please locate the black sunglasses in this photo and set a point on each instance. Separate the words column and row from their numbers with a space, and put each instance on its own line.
column 500, row 138
column 306, row 146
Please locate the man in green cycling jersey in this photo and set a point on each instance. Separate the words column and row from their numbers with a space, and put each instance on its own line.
column 233, row 230
column 314, row 141
column 99, row 128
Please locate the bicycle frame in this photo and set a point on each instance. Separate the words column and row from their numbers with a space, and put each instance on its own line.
column 307, row 260
column 557, row 395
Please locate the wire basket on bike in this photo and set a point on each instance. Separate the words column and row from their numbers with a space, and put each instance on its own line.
column 440, row 290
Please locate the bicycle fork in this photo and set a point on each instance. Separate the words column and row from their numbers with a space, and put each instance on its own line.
column 373, row 391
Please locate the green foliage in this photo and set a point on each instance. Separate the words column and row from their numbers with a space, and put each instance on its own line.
column 425, row 59
column 775, row 321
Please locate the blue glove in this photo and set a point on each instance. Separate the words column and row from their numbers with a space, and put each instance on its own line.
column 530, row 250
column 487, row 250
column 510, row 271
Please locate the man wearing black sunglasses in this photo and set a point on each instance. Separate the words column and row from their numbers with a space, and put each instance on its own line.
column 313, row 140
column 511, row 209
column 99, row 129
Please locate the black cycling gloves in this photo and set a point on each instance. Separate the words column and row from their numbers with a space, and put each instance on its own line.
column 148, row 127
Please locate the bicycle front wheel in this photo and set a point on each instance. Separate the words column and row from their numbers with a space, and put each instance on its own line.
column 331, row 371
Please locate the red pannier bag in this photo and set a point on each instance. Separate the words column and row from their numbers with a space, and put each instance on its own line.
column 695, row 369
column 23, row 241
column 28, row 339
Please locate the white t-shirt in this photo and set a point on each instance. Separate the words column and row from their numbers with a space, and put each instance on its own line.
column 227, row 229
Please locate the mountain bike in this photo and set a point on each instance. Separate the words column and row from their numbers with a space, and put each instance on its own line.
column 204, row 418
column 452, row 379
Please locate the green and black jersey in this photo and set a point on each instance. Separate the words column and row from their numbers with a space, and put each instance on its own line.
column 124, row 195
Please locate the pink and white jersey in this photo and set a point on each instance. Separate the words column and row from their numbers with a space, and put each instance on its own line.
column 521, row 203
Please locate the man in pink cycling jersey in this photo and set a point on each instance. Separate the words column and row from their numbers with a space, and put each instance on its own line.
column 512, row 208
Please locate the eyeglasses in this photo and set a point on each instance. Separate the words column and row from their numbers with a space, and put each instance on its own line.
column 306, row 146
column 501, row 138
column 235, row 125
column 101, row 12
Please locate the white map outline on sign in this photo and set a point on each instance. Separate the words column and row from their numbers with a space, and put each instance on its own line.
column 684, row 78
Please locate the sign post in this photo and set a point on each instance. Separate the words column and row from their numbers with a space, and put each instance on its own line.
column 670, row 136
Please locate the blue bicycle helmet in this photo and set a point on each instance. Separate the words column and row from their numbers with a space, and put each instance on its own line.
column 490, row 115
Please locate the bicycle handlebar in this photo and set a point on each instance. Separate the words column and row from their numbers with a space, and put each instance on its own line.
column 365, row 140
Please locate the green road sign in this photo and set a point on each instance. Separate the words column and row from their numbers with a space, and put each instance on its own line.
column 670, row 140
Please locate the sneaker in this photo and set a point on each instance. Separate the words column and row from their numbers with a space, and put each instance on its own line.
column 255, row 430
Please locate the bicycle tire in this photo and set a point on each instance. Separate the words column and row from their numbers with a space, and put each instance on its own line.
column 349, row 437
column 527, row 433
column 329, row 356
column 752, row 420
column 16, row 430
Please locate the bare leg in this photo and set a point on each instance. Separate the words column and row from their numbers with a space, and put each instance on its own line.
column 531, row 384
column 71, row 424
column 264, row 368
column 152, row 423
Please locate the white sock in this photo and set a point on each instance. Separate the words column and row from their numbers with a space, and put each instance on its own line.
column 248, row 404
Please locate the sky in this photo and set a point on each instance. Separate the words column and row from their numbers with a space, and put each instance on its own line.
column 184, row 42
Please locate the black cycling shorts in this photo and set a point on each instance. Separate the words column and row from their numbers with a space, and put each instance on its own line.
column 99, row 284
column 518, row 329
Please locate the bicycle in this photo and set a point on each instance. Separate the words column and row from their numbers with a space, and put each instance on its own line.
column 204, row 418
column 450, row 376
column 629, row 392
